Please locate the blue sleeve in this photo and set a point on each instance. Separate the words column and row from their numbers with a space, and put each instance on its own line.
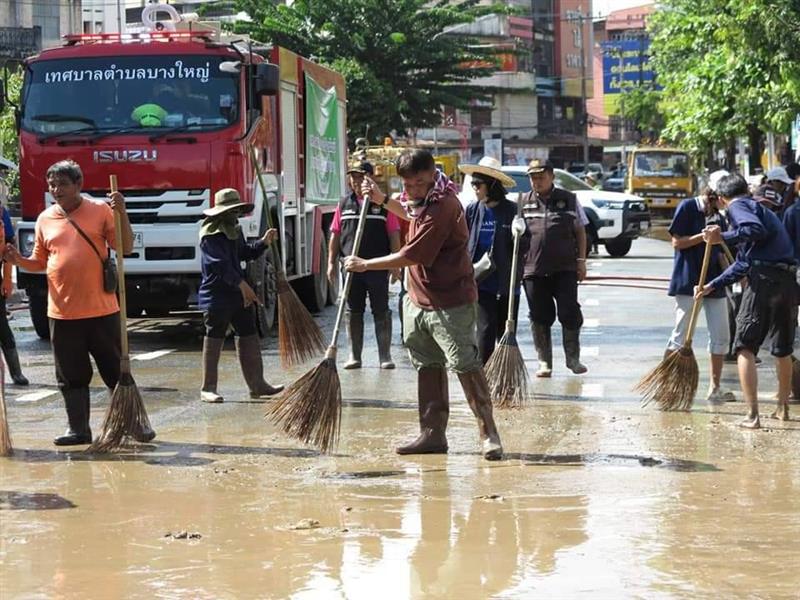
column 732, row 274
column 792, row 225
column 250, row 250
column 8, row 226
column 681, row 225
column 216, row 251
column 748, row 227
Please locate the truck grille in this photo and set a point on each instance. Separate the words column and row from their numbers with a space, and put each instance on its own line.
column 168, row 207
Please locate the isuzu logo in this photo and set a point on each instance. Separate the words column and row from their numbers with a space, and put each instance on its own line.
column 108, row 156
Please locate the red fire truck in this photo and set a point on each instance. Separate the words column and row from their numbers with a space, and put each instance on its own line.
column 178, row 115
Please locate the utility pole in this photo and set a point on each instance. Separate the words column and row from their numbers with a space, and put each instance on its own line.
column 581, row 19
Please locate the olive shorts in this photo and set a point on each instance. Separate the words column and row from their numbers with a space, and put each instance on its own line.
column 441, row 338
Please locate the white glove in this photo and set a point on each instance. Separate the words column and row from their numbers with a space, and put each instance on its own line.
column 518, row 226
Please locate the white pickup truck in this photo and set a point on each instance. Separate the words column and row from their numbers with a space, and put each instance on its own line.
column 615, row 219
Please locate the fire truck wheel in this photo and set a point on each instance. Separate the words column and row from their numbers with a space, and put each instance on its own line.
column 37, row 304
column 262, row 275
column 618, row 247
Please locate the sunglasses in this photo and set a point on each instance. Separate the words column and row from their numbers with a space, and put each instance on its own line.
column 477, row 184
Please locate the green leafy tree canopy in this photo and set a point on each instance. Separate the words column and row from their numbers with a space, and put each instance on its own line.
column 399, row 64
column 727, row 67
column 8, row 133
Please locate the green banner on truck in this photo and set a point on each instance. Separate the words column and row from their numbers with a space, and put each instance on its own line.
column 323, row 147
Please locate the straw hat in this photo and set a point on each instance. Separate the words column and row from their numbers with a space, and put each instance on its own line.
column 490, row 167
column 226, row 199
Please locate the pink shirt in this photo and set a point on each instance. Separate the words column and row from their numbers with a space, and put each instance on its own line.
column 392, row 222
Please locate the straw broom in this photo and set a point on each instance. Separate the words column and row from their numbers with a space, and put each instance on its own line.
column 672, row 385
column 5, row 436
column 506, row 372
column 310, row 409
column 126, row 416
column 299, row 336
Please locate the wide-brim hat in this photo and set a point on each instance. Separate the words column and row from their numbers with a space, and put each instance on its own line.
column 225, row 200
column 490, row 167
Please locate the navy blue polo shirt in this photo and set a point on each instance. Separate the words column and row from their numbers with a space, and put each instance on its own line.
column 690, row 220
column 791, row 221
column 759, row 235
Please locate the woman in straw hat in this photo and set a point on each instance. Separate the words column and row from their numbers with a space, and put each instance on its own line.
column 226, row 298
column 492, row 219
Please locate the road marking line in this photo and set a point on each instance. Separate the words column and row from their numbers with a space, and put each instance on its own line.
column 590, row 350
column 591, row 302
column 591, row 323
column 595, row 263
column 152, row 355
column 35, row 396
column 592, row 390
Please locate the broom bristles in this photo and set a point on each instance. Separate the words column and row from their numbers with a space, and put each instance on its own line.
column 299, row 336
column 6, row 449
column 507, row 374
column 126, row 418
column 672, row 385
column 310, row 409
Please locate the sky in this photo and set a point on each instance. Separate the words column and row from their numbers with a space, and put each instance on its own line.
column 603, row 7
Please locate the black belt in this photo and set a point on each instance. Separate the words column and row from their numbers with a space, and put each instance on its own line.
column 775, row 265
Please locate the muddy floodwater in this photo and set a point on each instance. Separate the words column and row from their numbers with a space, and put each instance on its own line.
column 596, row 497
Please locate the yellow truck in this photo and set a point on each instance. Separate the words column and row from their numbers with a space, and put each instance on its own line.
column 662, row 176
column 383, row 158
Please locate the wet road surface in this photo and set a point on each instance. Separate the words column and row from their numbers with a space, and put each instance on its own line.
column 596, row 497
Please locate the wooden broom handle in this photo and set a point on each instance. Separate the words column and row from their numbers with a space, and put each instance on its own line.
column 348, row 280
column 513, row 278
column 123, row 304
column 698, row 301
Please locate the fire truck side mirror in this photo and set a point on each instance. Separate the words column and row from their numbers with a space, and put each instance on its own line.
column 267, row 79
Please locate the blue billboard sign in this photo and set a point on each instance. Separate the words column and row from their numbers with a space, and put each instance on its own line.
column 626, row 63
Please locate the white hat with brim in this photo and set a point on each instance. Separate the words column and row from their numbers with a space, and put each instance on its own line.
column 490, row 167
column 225, row 200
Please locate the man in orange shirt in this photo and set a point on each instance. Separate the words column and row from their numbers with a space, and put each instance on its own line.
column 84, row 318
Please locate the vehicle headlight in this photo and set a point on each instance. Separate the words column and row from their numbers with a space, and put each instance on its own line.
column 26, row 240
column 610, row 204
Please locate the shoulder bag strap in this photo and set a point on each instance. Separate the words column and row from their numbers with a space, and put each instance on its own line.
column 83, row 235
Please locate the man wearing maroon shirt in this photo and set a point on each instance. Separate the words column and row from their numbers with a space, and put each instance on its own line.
column 439, row 310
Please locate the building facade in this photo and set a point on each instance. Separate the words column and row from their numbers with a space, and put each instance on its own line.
column 26, row 27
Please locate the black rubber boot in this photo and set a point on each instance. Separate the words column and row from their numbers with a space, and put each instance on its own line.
column 479, row 398
column 355, row 333
column 12, row 360
column 212, row 348
column 434, row 411
column 572, row 350
column 544, row 349
column 248, row 349
column 77, row 404
column 383, row 335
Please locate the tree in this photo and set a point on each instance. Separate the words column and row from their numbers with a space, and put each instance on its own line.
column 729, row 68
column 8, row 130
column 642, row 106
column 399, row 65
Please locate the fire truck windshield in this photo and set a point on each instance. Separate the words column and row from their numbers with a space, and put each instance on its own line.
column 128, row 94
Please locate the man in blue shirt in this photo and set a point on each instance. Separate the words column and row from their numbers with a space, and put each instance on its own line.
column 766, row 257
column 692, row 216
